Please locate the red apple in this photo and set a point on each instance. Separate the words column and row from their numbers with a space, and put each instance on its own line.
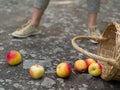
column 80, row 65
column 95, row 69
column 13, row 57
column 36, row 71
column 90, row 61
column 63, row 70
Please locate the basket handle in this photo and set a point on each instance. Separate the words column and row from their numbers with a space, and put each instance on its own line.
column 97, row 57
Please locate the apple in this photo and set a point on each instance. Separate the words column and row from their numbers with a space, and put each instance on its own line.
column 13, row 57
column 36, row 71
column 95, row 69
column 90, row 61
column 63, row 70
column 80, row 65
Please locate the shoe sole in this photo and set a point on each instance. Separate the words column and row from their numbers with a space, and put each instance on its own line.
column 17, row 36
column 93, row 41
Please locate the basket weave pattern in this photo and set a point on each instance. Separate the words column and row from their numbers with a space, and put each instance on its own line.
column 108, row 53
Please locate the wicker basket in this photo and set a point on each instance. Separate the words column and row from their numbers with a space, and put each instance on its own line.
column 108, row 51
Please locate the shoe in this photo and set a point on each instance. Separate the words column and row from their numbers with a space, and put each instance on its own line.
column 94, row 32
column 26, row 30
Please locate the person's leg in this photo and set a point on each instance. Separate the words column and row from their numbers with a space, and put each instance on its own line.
column 32, row 27
column 39, row 8
column 93, row 10
column 92, row 19
column 36, row 16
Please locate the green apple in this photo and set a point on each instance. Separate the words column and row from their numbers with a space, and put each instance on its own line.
column 95, row 69
column 63, row 70
column 80, row 65
column 36, row 71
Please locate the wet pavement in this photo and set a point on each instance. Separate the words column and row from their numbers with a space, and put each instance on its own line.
column 62, row 20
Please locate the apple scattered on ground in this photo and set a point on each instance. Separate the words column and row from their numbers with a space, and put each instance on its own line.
column 13, row 57
column 80, row 65
column 95, row 69
column 63, row 70
column 90, row 61
column 36, row 71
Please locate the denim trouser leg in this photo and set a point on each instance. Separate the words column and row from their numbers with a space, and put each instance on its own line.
column 42, row 4
column 93, row 6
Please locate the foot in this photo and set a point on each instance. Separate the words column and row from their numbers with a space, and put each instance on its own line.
column 26, row 30
column 94, row 32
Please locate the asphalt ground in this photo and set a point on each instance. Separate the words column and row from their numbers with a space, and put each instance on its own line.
column 62, row 21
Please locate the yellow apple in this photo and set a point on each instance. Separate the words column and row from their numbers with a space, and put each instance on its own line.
column 36, row 71
column 63, row 70
column 13, row 57
column 80, row 65
column 95, row 69
column 90, row 61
